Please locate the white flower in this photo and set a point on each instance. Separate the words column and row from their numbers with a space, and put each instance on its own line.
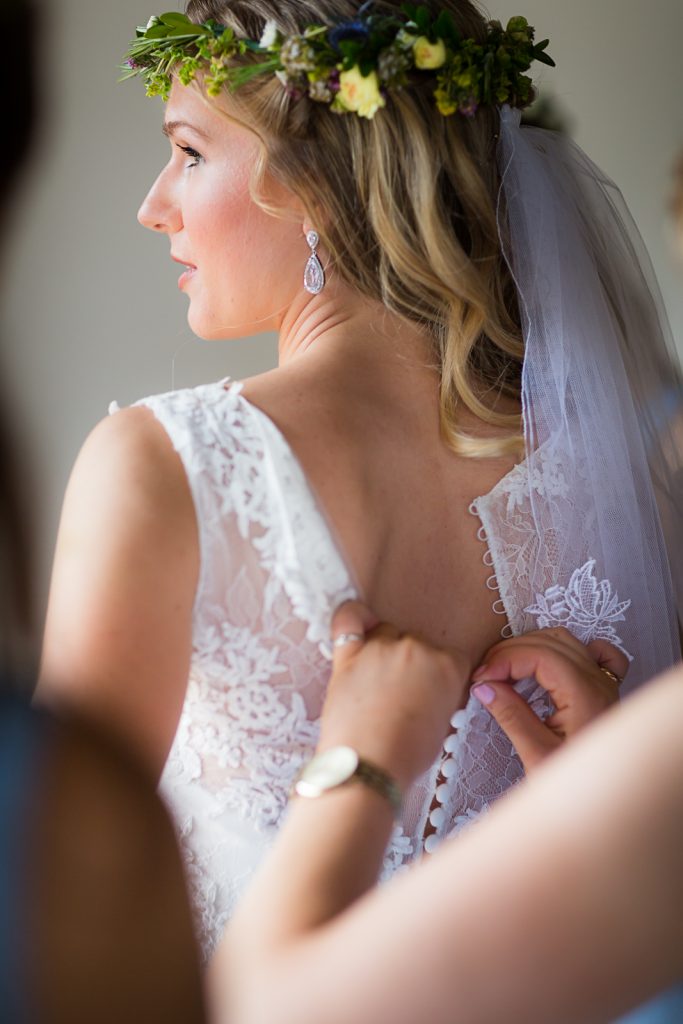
column 270, row 34
column 154, row 20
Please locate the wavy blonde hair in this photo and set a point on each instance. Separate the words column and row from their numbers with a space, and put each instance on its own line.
column 406, row 206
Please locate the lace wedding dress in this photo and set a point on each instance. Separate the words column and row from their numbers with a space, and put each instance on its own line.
column 271, row 577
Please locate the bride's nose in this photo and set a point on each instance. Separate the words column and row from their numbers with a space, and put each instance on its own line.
column 159, row 211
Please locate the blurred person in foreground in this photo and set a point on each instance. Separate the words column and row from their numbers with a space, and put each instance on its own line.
column 94, row 921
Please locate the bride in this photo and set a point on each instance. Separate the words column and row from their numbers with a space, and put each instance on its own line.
column 456, row 434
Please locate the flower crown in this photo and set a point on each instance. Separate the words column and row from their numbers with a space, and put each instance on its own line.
column 351, row 66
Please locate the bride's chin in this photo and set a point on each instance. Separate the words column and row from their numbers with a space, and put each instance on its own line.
column 202, row 327
column 215, row 332
column 228, row 321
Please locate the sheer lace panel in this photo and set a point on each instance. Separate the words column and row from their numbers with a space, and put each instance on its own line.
column 270, row 580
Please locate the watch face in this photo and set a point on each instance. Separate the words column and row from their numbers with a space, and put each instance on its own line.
column 331, row 768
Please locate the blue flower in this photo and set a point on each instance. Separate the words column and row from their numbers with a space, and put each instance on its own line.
column 355, row 31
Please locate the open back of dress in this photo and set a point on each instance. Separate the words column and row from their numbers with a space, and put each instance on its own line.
column 271, row 577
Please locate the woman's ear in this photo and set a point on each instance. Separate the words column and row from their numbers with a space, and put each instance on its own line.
column 276, row 198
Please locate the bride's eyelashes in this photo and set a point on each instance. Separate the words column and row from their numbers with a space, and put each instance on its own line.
column 196, row 157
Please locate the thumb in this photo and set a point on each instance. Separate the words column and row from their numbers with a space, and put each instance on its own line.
column 532, row 740
column 353, row 619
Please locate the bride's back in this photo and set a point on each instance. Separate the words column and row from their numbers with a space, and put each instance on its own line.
column 396, row 497
column 309, row 489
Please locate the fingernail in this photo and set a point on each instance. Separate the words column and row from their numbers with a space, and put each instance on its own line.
column 479, row 672
column 485, row 694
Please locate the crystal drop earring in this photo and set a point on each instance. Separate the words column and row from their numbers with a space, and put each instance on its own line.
column 314, row 275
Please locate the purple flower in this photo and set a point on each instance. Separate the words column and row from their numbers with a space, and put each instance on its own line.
column 294, row 92
column 469, row 108
column 333, row 83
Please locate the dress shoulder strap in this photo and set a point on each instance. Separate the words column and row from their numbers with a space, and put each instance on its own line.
column 253, row 502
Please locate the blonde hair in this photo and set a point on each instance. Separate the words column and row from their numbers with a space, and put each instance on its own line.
column 406, row 205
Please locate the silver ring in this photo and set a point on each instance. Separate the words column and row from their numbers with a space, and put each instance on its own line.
column 348, row 638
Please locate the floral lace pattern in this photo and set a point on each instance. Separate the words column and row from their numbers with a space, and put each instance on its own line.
column 586, row 607
column 271, row 577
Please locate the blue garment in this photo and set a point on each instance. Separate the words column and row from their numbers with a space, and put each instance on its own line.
column 664, row 1009
column 22, row 737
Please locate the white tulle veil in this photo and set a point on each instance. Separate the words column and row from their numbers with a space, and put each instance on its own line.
column 584, row 532
column 601, row 392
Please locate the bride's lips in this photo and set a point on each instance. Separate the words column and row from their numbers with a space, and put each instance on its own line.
column 190, row 271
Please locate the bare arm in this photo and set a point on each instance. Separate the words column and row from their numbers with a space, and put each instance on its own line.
column 564, row 904
column 118, row 634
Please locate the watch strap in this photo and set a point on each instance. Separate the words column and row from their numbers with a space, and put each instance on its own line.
column 375, row 778
column 363, row 771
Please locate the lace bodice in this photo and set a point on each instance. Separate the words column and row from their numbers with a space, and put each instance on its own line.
column 271, row 576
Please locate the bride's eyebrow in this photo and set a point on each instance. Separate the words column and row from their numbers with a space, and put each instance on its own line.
column 170, row 128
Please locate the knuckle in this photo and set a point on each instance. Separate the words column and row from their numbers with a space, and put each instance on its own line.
column 505, row 645
column 622, row 664
column 408, row 648
column 507, row 715
column 560, row 633
column 532, row 635
column 409, row 644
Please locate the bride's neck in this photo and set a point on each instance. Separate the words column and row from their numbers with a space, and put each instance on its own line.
column 341, row 328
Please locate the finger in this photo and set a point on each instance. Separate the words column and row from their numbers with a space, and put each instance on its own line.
column 555, row 637
column 530, row 737
column 555, row 670
column 513, row 663
column 607, row 656
column 350, row 624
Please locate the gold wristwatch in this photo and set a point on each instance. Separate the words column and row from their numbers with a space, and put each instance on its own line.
column 337, row 767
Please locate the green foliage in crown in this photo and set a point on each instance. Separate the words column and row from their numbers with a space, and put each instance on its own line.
column 352, row 66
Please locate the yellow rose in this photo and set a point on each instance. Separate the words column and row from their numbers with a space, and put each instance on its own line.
column 360, row 93
column 429, row 55
column 445, row 104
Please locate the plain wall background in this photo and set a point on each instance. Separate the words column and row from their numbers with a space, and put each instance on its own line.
column 91, row 311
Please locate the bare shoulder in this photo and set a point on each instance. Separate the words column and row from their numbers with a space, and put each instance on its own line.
column 129, row 503
column 119, row 624
column 129, row 477
column 132, row 444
